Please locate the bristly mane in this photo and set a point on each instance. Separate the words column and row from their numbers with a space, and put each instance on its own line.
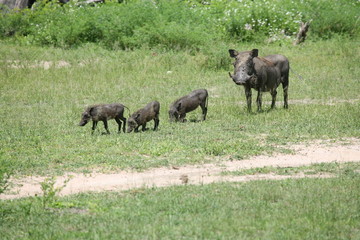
column 266, row 61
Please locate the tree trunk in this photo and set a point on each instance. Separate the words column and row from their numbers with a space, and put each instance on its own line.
column 304, row 27
column 15, row 3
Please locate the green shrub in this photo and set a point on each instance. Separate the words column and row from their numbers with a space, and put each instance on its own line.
column 178, row 25
column 329, row 18
column 249, row 20
column 14, row 23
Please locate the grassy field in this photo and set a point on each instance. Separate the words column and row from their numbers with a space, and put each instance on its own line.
column 41, row 107
column 140, row 51
column 288, row 209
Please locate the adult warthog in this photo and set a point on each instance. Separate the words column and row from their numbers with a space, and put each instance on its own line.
column 261, row 73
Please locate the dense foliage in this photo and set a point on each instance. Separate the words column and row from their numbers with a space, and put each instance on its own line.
column 175, row 24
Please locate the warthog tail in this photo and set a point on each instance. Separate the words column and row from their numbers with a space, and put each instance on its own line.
column 127, row 109
column 207, row 99
column 298, row 75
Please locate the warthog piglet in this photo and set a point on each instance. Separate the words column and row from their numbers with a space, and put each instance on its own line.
column 189, row 103
column 104, row 112
column 144, row 115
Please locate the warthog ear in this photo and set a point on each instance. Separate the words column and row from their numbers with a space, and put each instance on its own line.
column 137, row 116
column 233, row 53
column 91, row 110
column 254, row 52
column 178, row 106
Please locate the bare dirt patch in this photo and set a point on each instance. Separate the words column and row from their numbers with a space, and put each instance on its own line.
column 37, row 64
column 306, row 154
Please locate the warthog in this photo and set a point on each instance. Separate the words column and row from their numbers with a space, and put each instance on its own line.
column 261, row 73
column 144, row 115
column 189, row 103
column 104, row 112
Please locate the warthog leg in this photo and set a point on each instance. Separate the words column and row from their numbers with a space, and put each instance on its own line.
column 285, row 85
column 119, row 123
column 94, row 126
column 285, row 96
column 182, row 117
column 106, row 126
column 156, row 121
column 204, row 111
column 144, row 127
column 248, row 98
column 124, row 121
column 273, row 95
column 258, row 100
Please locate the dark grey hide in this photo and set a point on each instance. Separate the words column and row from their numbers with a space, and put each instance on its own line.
column 189, row 103
column 144, row 115
column 104, row 112
column 263, row 74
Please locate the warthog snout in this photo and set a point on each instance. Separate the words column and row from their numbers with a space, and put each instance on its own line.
column 85, row 118
column 173, row 115
column 82, row 123
column 242, row 74
column 240, row 80
column 132, row 124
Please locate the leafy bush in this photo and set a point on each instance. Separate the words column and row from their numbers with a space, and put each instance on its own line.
column 13, row 22
column 179, row 25
column 248, row 20
column 332, row 17
column 50, row 192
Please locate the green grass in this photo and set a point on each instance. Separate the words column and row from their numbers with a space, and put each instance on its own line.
column 289, row 209
column 40, row 108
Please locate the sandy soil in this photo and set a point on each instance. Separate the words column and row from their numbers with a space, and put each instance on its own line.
column 315, row 152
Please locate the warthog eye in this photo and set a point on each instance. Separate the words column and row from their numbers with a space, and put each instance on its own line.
column 250, row 68
column 86, row 116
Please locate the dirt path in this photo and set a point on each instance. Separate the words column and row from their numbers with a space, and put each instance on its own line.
column 316, row 152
